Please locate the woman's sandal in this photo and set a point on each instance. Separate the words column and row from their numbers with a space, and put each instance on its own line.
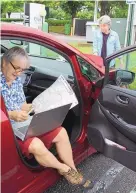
column 87, row 184
column 76, row 178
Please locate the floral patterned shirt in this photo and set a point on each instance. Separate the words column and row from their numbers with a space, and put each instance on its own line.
column 13, row 95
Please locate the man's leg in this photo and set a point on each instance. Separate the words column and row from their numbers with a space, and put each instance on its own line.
column 64, row 149
column 44, row 157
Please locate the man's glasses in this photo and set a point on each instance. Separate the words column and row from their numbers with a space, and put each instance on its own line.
column 18, row 70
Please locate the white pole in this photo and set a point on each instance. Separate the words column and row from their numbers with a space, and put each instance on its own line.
column 133, row 27
column 95, row 10
column 128, row 20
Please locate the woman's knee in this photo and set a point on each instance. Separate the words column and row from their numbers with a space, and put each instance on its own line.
column 37, row 146
column 62, row 136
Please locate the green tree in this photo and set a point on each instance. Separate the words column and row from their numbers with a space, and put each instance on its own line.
column 71, row 7
column 113, row 8
column 57, row 14
column 8, row 6
column 85, row 15
column 120, row 10
column 89, row 5
column 87, row 10
column 52, row 4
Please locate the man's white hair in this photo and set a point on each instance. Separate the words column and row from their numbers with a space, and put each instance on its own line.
column 105, row 19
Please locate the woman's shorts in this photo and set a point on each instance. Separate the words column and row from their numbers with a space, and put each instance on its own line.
column 46, row 139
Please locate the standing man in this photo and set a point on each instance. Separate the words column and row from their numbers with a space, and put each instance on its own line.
column 106, row 41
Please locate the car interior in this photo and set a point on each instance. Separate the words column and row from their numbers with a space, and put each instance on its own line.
column 114, row 135
column 42, row 73
column 36, row 81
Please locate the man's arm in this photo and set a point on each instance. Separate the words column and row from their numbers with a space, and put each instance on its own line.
column 95, row 49
column 117, row 48
column 121, row 62
column 117, row 43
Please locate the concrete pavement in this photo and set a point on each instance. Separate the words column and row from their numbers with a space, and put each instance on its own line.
column 67, row 38
column 109, row 177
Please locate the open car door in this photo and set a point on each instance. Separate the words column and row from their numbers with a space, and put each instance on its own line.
column 112, row 123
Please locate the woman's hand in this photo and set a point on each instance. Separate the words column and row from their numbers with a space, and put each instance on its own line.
column 26, row 107
column 18, row 115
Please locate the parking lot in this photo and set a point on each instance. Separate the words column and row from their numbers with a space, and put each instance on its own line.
column 108, row 176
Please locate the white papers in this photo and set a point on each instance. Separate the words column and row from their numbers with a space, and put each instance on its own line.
column 58, row 94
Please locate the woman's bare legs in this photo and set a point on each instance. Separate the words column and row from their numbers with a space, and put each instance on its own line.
column 44, row 157
column 64, row 148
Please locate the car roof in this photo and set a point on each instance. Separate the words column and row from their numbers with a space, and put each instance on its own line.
column 9, row 28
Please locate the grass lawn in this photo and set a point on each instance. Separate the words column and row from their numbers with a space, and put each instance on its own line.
column 83, row 47
column 57, row 29
column 87, row 48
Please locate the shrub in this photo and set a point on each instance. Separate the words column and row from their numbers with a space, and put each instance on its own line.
column 57, row 29
column 11, row 19
column 53, row 22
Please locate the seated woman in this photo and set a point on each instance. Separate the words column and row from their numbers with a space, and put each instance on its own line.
column 14, row 62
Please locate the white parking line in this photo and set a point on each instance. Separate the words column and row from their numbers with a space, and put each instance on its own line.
column 107, row 179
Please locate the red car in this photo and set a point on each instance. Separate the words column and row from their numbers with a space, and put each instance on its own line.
column 104, row 120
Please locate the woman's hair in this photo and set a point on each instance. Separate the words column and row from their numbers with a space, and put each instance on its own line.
column 11, row 53
column 105, row 19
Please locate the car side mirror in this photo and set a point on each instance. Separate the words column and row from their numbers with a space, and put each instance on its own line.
column 124, row 77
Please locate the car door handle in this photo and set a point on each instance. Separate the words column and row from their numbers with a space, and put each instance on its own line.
column 123, row 99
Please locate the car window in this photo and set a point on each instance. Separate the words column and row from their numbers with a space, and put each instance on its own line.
column 33, row 49
column 126, row 62
column 88, row 70
column 44, row 59
column 6, row 43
